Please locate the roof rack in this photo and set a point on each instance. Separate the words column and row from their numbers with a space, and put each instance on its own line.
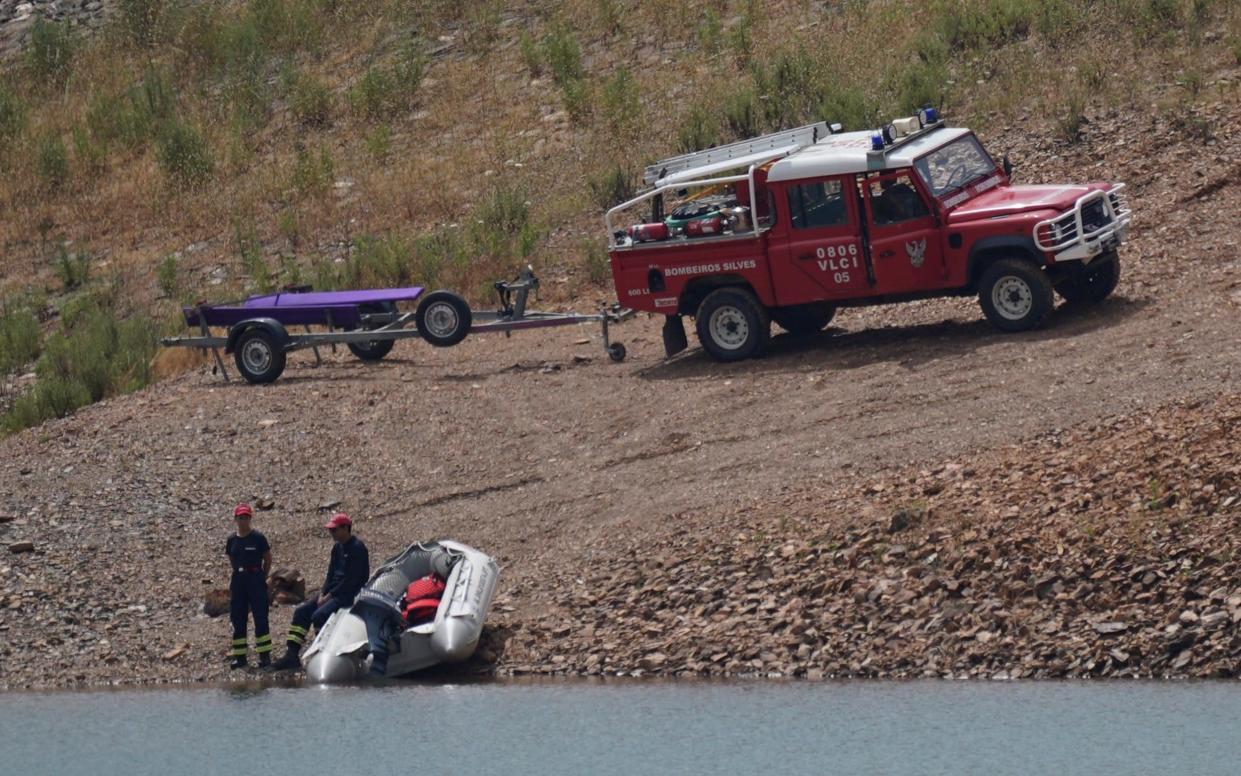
column 798, row 138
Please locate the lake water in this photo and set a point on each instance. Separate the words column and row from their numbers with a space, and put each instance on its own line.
column 630, row 728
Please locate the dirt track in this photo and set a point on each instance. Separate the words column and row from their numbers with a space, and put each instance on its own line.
column 518, row 448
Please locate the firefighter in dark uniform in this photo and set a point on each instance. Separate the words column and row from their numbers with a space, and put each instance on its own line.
column 347, row 571
column 250, row 557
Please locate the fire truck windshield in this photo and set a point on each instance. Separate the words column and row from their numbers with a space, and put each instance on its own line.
column 955, row 165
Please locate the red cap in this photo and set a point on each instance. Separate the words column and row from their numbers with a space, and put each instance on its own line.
column 339, row 519
column 243, row 510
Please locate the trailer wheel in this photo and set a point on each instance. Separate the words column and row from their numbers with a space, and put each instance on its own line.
column 443, row 318
column 732, row 324
column 1094, row 284
column 258, row 356
column 616, row 352
column 804, row 319
column 1015, row 295
column 371, row 350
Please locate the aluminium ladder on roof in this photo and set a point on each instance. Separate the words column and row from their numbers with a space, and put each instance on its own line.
column 801, row 137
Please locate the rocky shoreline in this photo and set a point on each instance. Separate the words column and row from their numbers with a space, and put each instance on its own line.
column 1111, row 551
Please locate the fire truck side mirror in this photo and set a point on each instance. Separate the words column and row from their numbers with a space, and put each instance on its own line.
column 1008, row 167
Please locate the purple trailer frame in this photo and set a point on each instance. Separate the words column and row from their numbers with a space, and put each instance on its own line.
column 368, row 321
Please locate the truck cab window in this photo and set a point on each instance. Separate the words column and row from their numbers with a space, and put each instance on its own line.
column 817, row 205
column 894, row 199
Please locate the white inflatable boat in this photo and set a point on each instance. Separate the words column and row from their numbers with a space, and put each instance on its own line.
column 341, row 649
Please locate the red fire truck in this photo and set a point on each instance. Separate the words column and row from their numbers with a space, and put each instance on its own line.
column 788, row 227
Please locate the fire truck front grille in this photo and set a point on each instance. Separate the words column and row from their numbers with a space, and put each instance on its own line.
column 1094, row 216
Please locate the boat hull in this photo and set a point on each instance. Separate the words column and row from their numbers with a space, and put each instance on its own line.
column 339, row 652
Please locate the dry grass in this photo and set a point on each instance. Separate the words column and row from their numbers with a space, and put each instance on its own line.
column 480, row 118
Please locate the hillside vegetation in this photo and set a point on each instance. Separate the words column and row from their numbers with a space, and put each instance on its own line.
column 203, row 149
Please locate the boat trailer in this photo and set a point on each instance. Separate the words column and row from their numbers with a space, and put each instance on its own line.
column 368, row 323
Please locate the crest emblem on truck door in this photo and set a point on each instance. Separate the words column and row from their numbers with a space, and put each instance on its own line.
column 917, row 251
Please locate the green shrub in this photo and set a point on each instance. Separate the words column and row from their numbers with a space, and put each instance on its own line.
column 12, row 117
column 94, row 356
column 741, row 39
column 920, row 84
column 290, row 25
column 133, row 117
column 975, row 24
column 614, row 186
column 787, row 88
column 598, row 266
column 19, row 337
column 52, row 161
column 184, row 154
column 409, row 70
column 313, row 173
column 698, row 130
column 168, row 277
column 531, row 55
column 563, row 54
column 88, row 153
column 50, row 51
column 250, row 250
column 622, row 105
column 710, row 32
column 374, row 95
column 743, row 115
column 443, row 248
column 577, row 96
column 311, row 102
column 503, row 227
column 849, row 107
column 379, row 142
column 381, row 261
column 73, row 269
column 140, row 20
column 608, row 14
column 1072, row 117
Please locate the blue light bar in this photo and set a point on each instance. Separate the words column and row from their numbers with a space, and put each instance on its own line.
column 876, row 141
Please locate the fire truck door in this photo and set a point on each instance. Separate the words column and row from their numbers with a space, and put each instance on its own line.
column 904, row 236
column 825, row 259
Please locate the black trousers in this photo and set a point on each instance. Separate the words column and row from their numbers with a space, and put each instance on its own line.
column 248, row 594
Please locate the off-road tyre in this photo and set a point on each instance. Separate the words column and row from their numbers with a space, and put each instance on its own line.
column 259, row 357
column 804, row 319
column 1015, row 295
column 1094, row 284
column 733, row 324
column 443, row 318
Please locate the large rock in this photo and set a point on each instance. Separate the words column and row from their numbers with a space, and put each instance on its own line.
column 215, row 603
column 286, row 586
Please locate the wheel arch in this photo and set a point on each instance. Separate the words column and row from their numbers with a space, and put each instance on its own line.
column 270, row 325
column 698, row 288
column 988, row 250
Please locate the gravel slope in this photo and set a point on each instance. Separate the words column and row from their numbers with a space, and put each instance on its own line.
column 571, row 469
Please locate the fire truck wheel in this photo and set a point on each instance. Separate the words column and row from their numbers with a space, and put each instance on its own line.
column 1015, row 295
column 443, row 318
column 258, row 356
column 733, row 324
column 804, row 319
column 1093, row 285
